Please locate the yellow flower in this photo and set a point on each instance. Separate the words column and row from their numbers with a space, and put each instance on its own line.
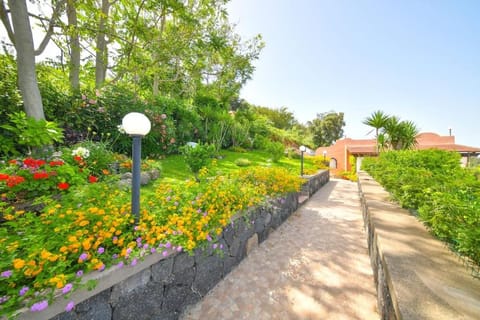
column 86, row 244
column 18, row 263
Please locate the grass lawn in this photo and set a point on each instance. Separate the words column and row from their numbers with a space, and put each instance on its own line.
column 174, row 169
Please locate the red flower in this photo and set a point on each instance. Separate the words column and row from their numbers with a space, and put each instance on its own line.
column 14, row 180
column 63, row 186
column 56, row 163
column 77, row 158
column 4, row 176
column 32, row 163
column 92, row 179
column 40, row 175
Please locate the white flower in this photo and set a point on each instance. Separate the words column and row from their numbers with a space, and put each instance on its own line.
column 120, row 128
column 81, row 152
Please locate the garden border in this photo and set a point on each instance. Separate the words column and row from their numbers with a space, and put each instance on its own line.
column 416, row 275
column 161, row 287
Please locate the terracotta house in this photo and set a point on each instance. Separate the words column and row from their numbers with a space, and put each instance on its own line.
column 341, row 152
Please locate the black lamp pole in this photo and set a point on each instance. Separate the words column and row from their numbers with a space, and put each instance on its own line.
column 301, row 163
column 136, row 158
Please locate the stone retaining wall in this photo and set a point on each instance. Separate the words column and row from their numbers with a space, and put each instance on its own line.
column 161, row 287
column 416, row 275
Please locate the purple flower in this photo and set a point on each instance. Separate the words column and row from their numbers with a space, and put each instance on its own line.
column 7, row 274
column 129, row 250
column 209, row 238
column 168, row 244
column 179, row 248
column 153, row 250
column 79, row 273
column 115, row 256
column 67, row 288
column 221, row 246
column 70, row 306
column 145, row 246
column 165, row 253
column 214, row 246
column 39, row 306
column 102, row 267
column 120, row 264
column 199, row 211
column 139, row 239
column 83, row 257
column 101, row 250
column 134, row 262
column 136, row 228
column 115, row 238
column 4, row 299
column 168, row 198
column 23, row 291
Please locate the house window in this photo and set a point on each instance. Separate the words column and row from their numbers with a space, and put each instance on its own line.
column 333, row 163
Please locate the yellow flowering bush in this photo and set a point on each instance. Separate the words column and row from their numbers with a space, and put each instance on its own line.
column 92, row 229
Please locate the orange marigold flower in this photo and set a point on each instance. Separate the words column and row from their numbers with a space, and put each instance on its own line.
column 86, row 244
column 18, row 263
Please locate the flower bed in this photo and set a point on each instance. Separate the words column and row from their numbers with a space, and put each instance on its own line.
column 47, row 255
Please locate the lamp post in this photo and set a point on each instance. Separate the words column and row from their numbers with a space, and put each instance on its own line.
column 302, row 150
column 324, row 155
column 137, row 126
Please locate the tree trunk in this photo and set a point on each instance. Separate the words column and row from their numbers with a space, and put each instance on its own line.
column 27, row 77
column 101, row 59
column 156, row 76
column 74, row 43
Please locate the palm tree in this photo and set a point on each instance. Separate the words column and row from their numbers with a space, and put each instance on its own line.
column 400, row 135
column 377, row 120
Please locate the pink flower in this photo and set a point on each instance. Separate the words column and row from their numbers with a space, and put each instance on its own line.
column 67, row 288
column 70, row 306
column 39, row 306
column 163, row 116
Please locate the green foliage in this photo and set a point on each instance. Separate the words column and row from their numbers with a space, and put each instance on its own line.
column 327, row 128
column 198, row 156
column 432, row 183
column 242, row 162
column 275, row 149
column 31, row 133
column 100, row 157
column 391, row 133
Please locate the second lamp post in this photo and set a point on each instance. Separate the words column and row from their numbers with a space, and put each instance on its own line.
column 137, row 126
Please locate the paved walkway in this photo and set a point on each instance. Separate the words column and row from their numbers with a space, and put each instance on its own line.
column 315, row 266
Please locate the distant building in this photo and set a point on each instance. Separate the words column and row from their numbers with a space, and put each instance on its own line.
column 339, row 153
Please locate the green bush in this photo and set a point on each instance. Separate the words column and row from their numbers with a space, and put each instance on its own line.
column 242, row 162
column 197, row 156
column 276, row 150
column 432, row 183
column 31, row 135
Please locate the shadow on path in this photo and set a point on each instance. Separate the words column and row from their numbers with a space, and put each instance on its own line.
column 314, row 266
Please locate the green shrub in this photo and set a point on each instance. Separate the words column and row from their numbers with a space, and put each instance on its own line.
column 276, row 150
column 431, row 182
column 197, row 156
column 32, row 134
column 242, row 162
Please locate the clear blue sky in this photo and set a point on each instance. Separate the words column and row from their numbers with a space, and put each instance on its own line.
column 416, row 59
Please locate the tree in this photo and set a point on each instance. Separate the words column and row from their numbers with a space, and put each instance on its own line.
column 16, row 21
column 377, row 120
column 391, row 132
column 327, row 128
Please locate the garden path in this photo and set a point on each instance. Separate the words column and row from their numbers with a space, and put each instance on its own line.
column 314, row 266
